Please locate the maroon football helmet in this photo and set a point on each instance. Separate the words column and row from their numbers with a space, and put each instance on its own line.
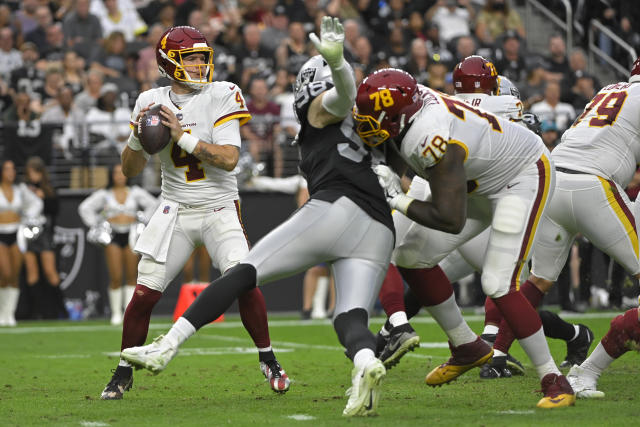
column 177, row 43
column 386, row 102
column 634, row 76
column 475, row 75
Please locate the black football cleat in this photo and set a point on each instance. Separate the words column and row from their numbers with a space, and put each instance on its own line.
column 121, row 381
column 578, row 349
column 401, row 340
column 497, row 368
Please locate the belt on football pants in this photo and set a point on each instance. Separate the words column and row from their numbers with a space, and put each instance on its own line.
column 565, row 170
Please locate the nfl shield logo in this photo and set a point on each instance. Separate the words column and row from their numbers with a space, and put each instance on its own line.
column 179, row 116
column 165, row 210
column 153, row 120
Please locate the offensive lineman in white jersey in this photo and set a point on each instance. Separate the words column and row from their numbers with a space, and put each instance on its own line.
column 596, row 160
column 484, row 171
column 199, row 201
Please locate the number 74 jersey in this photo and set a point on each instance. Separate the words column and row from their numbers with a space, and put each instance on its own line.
column 206, row 115
column 496, row 149
column 605, row 139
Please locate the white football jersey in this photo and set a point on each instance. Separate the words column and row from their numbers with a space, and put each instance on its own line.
column 186, row 179
column 507, row 106
column 497, row 149
column 605, row 139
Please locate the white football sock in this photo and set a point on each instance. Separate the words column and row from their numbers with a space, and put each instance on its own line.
column 398, row 318
column 12, row 294
column 363, row 358
column 536, row 347
column 115, row 302
column 265, row 349
column 180, row 332
column 448, row 316
column 598, row 361
column 490, row 329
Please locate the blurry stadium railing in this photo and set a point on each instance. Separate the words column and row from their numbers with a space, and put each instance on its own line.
column 595, row 27
column 565, row 25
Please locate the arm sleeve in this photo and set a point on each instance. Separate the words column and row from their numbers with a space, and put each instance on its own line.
column 90, row 207
column 339, row 99
column 289, row 185
column 33, row 204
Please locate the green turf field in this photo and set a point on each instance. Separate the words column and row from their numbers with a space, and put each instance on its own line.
column 52, row 373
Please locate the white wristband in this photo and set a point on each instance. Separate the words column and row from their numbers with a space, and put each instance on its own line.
column 401, row 203
column 134, row 143
column 188, row 142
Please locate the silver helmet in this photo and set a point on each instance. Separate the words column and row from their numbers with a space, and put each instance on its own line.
column 506, row 87
column 315, row 69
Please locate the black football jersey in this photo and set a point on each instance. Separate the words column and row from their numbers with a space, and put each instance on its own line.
column 335, row 162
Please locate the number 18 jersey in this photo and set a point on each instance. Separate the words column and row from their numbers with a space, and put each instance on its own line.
column 186, row 179
column 605, row 139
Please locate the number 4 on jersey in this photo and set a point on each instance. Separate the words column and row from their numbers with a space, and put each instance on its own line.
column 182, row 159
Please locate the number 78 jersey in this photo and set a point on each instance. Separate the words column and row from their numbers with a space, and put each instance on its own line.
column 605, row 139
column 496, row 149
column 186, row 179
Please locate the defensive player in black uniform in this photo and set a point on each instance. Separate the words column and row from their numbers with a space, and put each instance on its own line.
column 346, row 223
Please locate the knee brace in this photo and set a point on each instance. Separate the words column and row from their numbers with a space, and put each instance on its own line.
column 151, row 274
column 504, row 246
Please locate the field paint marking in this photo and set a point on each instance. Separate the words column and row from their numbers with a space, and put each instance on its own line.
column 512, row 412
column 63, row 356
column 211, row 351
column 93, row 424
column 272, row 323
column 301, row 417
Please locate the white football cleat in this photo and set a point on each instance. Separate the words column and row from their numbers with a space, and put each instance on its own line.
column 584, row 385
column 154, row 357
column 364, row 393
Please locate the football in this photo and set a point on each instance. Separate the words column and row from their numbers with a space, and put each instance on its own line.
column 154, row 136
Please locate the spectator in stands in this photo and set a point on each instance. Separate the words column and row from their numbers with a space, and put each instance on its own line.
column 82, row 30
column 68, row 120
column 73, row 71
column 453, row 18
column 146, row 66
column 5, row 96
column 109, row 122
column 551, row 109
column 10, row 57
column 438, row 76
column 364, row 54
column 509, row 59
column 111, row 59
column 549, row 134
column 630, row 34
column 54, row 48
column 583, row 91
column 532, row 90
column 118, row 204
column 253, row 59
column 167, row 15
column 114, row 17
column 557, row 65
column 278, row 28
column 20, row 110
column 47, row 300
column 418, row 65
column 38, row 35
column 465, row 46
column 53, row 81
column 16, row 204
column 307, row 13
column 351, row 34
column 261, row 131
column 415, row 28
column 25, row 17
column 293, row 51
column 578, row 68
column 89, row 96
column 495, row 19
column 397, row 50
column 30, row 77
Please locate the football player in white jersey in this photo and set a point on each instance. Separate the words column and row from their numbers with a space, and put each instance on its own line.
column 484, row 171
column 596, row 160
column 199, row 200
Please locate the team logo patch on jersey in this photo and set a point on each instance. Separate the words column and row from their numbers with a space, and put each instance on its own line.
column 179, row 116
column 165, row 210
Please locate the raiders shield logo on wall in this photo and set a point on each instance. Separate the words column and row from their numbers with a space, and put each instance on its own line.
column 69, row 243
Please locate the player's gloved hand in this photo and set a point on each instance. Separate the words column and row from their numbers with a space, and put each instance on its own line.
column 331, row 41
column 390, row 183
column 533, row 123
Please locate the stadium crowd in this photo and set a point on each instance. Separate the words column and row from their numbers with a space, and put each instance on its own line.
column 70, row 70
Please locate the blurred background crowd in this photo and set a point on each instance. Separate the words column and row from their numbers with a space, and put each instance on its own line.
column 70, row 71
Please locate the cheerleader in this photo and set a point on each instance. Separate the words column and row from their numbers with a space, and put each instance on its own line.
column 17, row 204
column 118, row 204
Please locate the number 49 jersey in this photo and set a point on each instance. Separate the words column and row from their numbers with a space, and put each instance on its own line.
column 605, row 139
column 186, row 179
column 497, row 150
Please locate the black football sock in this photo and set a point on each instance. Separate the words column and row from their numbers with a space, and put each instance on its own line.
column 555, row 327
column 353, row 331
column 220, row 294
column 265, row 356
column 411, row 304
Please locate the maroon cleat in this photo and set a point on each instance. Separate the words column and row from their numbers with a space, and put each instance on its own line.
column 463, row 358
column 557, row 392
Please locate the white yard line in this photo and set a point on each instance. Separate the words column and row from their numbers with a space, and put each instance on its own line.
column 301, row 417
